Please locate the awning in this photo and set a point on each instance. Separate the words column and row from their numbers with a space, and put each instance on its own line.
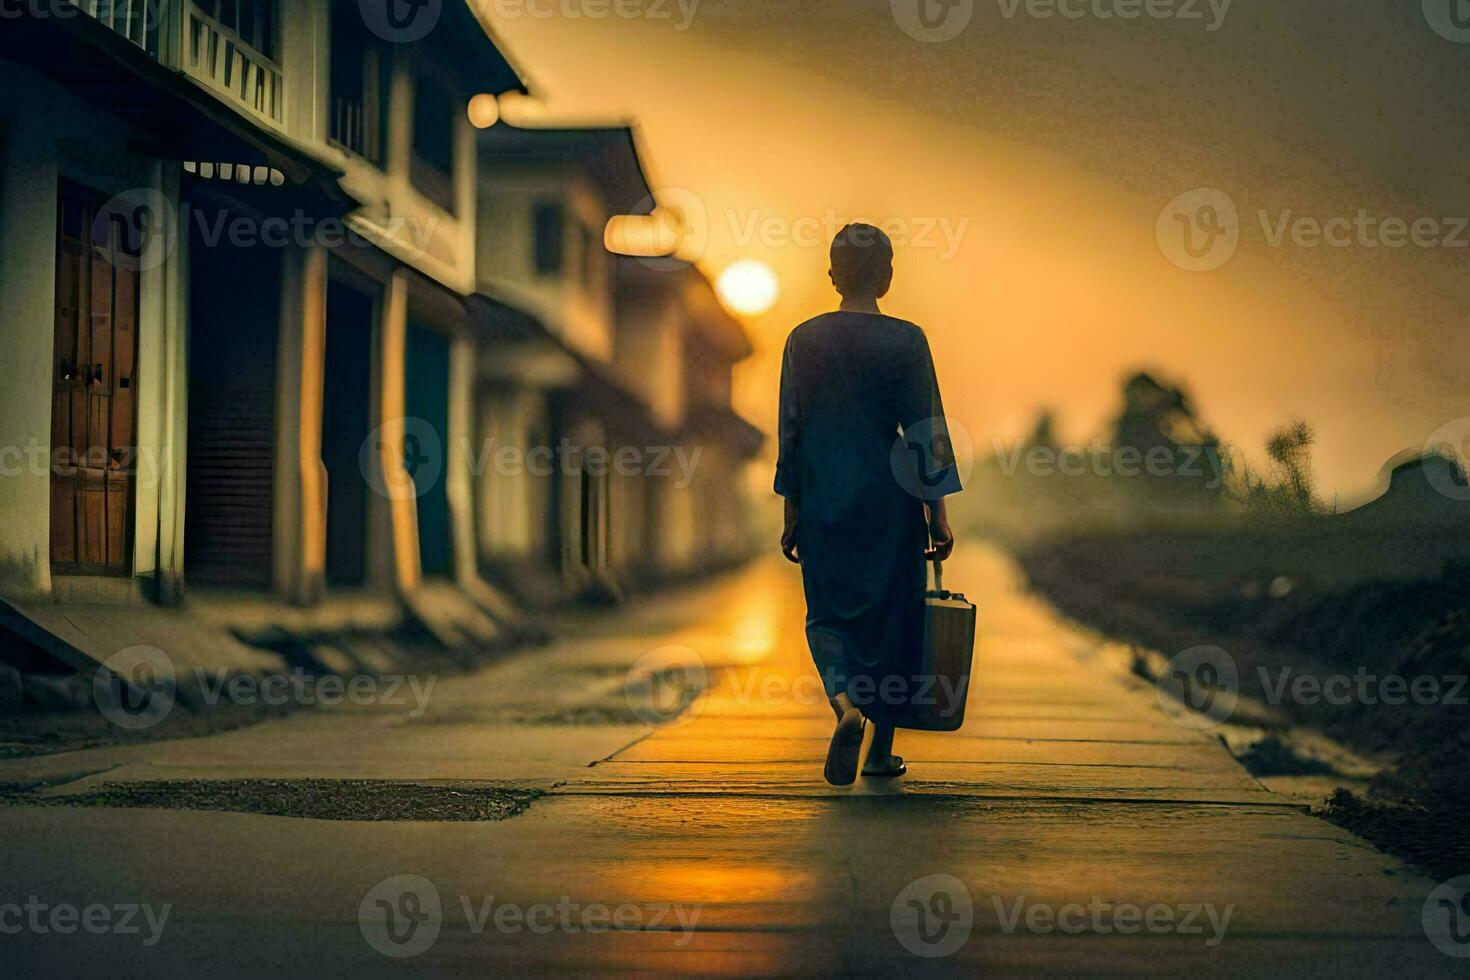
column 725, row 426
column 609, row 154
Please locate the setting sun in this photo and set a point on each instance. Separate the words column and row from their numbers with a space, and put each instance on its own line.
column 748, row 287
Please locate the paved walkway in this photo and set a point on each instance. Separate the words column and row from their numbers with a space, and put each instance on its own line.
column 1070, row 827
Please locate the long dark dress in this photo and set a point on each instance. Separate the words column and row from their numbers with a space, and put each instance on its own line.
column 850, row 383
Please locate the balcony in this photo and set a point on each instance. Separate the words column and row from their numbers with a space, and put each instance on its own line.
column 225, row 43
column 222, row 56
column 349, row 127
column 140, row 21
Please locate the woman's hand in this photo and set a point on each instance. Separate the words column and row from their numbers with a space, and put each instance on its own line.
column 941, row 538
column 788, row 536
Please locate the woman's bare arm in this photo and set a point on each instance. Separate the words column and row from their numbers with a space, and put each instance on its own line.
column 940, row 536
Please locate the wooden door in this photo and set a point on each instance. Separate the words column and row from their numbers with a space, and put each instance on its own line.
column 93, row 404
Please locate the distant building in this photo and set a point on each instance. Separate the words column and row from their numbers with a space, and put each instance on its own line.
column 597, row 354
column 676, row 350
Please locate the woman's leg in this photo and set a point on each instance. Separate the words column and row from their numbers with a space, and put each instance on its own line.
column 847, row 742
column 882, row 746
column 881, row 761
column 829, row 656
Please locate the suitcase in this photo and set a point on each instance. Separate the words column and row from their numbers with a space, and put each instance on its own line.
column 948, row 653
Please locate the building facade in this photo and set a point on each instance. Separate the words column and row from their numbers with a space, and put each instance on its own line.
column 274, row 306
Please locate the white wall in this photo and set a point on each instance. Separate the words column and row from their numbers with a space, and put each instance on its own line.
column 394, row 214
column 650, row 355
column 581, row 313
column 27, row 305
column 514, row 504
column 52, row 135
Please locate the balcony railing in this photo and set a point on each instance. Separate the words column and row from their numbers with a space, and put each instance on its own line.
column 140, row 21
column 219, row 56
column 212, row 52
column 355, row 128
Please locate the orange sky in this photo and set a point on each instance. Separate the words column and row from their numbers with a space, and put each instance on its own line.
column 1030, row 159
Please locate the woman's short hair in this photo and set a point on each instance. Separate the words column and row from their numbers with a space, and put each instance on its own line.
column 862, row 260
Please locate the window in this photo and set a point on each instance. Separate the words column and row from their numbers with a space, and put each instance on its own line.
column 253, row 21
column 550, row 245
column 434, row 119
column 361, row 78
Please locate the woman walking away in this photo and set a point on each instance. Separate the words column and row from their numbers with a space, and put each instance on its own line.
column 864, row 504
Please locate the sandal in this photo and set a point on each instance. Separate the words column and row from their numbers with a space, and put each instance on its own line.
column 846, row 746
column 894, row 769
